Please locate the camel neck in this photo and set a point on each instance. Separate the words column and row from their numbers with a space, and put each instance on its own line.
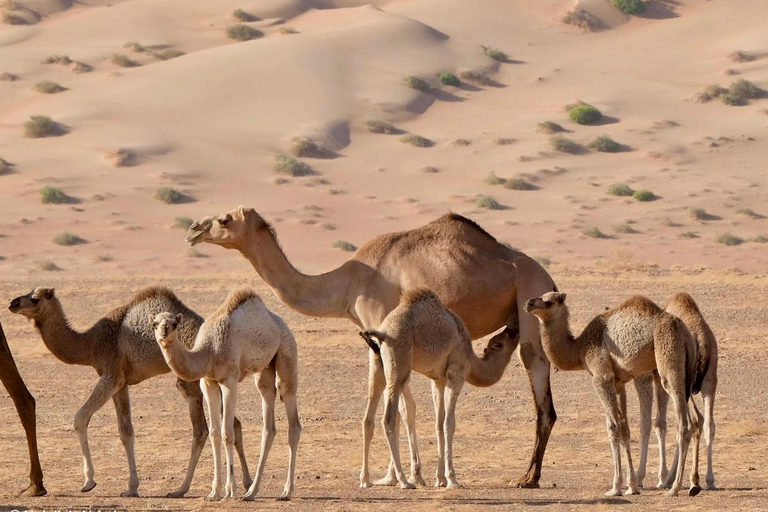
column 561, row 347
column 67, row 344
column 190, row 365
column 320, row 295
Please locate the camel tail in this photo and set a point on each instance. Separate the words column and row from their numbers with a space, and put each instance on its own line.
column 373, row 339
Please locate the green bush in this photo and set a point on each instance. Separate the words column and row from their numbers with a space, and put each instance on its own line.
column 246, row 17
column 488, row 202
column 285, row 164
column 40, row 126
column 585, row 114
column 344, row 246
column 761, row 239
column 476, row 77
column 620, row 189
column 715, row 91
column 418, row 83
column 450, row 79
column 745, row 89
column 582, row 19
column 288, row 30
column 416, row 140
column 519, row 184
column 303, row 147
column 689, row 234
column 67, row 239
column 595, row 233
column 749, row 212
column 135, row 46
column 728, row 239
column 624, row 228
column 644, row 195
column 64, row 60
column 698, row 213
column 604, row 144
column 46, row 87
column 732, row 100
column 630, row 6
column 492, row 179
column 550, row 127
column 495, row 53
column 243, row 33
column 565, row 145
column 169, row 195
column 168, row 54
column 378, row 126
column 118, row 59
column 53, row 195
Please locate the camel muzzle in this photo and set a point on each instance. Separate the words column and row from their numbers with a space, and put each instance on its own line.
column 15, row 306
column 193, row 234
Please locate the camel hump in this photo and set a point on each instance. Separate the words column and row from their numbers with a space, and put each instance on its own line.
column 420, row 294
column 453, row 218
column 236, row 298
column 153, row 292
column 640, row 304
column 682, row 301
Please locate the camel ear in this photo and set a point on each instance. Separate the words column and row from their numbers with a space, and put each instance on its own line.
column 241, row 211
column 48, row 293
column 561, row 298
column 152, row 321
column 179, row 318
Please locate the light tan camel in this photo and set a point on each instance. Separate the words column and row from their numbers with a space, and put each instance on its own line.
column 684, row 307
column 484, row 282
column 121, row 347
column 241, row 338
column 623, row 343
column 421, row 334
column 25, row 406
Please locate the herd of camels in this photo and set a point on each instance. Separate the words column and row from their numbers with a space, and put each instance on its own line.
column 419, row 298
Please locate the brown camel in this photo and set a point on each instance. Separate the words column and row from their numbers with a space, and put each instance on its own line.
column 25, row 406
column 484, row 282
column 121, row 347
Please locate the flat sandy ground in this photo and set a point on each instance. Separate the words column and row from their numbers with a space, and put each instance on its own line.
column 494, row 425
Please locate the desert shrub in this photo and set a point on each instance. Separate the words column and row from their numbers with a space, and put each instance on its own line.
column 487, row 202
column 135, row 46
column 53, row 195
column 715, row 91
column 8, row 77
column 620, row 189
column 47, row 87
column 416, row 140
column 689, row 234
column 519, row 184
column 449, row 79
column 344, row 246
column 495, row 53
column 565, row 145
column 543, row 261
column 182, row 222
column 760, row 239
column 585, row 114
column 740, row 57
column 378, row 126
column 285, row 164
column 624, row 229
column 698, row 213
column 492, row 179
column 303, row 147
column 476, row 77
column 728, row 239
column 582, row 19
column 243, row 32
column 241, row 15
column 169, row 195
column 503, row 141
column 745, row 89
column 58, row 59
column 594, row 232
column 749, row 212
column 4, row 166
column 732, row 100
column 67, row 239
column 48, row 266
column 604, row 144
column 81, row 67
column 644, row 195
column 118, row 59
column 417, row 83
column 168, row 54
column 550, row 127
column 40, row 126
column 288, row 30
column 630, row 6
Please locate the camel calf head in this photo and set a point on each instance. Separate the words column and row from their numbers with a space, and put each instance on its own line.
column 34, row 304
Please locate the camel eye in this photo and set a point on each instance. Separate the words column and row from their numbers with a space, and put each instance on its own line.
column 548, row 303
column 223, row 222
column 34, row 300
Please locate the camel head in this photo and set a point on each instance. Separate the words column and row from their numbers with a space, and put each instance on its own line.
column 165, row 325
column 34, row 304
column 229, row 230
column 545, row 306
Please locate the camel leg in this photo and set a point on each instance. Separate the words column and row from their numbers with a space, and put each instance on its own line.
column 676, row 389
column 229, row 401
column 438, row 397
column 606, row 392
column 266, row 384
column 697, row 421
column 453, row 390
column 192, row 393
column 408, row 409
column 644, row 387
column 287, row 385
column 107, row 386
column 397, row 373
column 247, row 481
column 660, row 426
column 212, row 393
column 708, row 392
column 25, row 407
column 625, row 441
column 122, row 403
column 376, row 384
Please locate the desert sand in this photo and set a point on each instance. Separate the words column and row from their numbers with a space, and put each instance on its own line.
column 210, row 123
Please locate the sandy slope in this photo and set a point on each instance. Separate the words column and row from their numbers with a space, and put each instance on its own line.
column 210, row 123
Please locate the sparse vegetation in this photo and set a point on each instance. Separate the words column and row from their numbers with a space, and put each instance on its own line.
column 745, row 89
column 450, row 79
column 243, row 16
column 169, row 195
column 760, row 239
column 503, row 141
column 732, row 100
column 715, row 90
column 689, row 234
column 488, row 203
column 492, row 179
column 476, row 77
column 582, row 19
column 46, row 87
column 288, row 165
column 604, row 144
column 168, row 54
column 53, row 195
column 119, row 59
column 620, row 189
column 416, row 140
column 698, row 213
column 594, row 232
column 565, row 145
column 728, row 239
column 8, row 77
column 4, row 166
column 644, row 195
column 749, row 212
column 378, row 126
column 67, row 239
column 585, row 114
column 48, row 266
column 624, row 229
column 40, row 126
column 64, row 60
column 134, row 46
column 308, row 148
column 519, row 184
column 417, row 83
column 122, row 157
column 243, row 32
column 630, row 6
column 543, row 261
column 740, row 57
column 495, row 53
column 550, row 127
column 182, row 223
column 288, row 30
column 344, row 246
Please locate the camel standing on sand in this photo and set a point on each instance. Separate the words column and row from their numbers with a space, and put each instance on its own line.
column 684, row 307
column 121, row 347
column 25, row 406
column 241, row 338
column 484, row 282
column 623, row 343
column 422, row 335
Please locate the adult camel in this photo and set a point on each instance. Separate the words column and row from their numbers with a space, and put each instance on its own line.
column 475, row 276
column 25, row 406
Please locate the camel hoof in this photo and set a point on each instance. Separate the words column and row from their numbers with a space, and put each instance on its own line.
column 176, row 494
column 407, row 485
column 613, row 492
column 386, row 481
column 441, row 482
column 417, row 480
column 366, row 485
column 673, row 492
column 663, row 485
column 455, row 485
column 694, row 490
column 213, row 497
column 710, row 487
column 129, row 494
column 88, row 487
column 630, row 491
column 249, row 497
column 34, row 490
column 526, row 484
column 284, row 497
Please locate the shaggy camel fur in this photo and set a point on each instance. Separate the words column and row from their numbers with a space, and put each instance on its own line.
column 25, row 406
column 121, row 347
column 241, row 338
column 684, row 307
column 484, row 282
column 421, row 334
column 626, row 342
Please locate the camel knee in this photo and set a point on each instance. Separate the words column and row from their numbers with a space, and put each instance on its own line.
column 389, row 423
column 229, row 436
column 81, row 423
column 269, row 430
column 614, row 432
